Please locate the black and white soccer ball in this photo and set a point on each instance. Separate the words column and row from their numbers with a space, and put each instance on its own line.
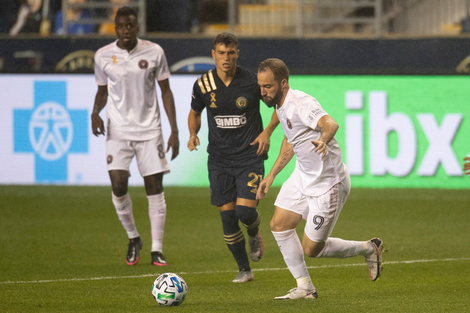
column 169, row 289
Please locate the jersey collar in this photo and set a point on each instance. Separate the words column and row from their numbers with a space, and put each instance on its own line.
column 116, row 47
column 286, row 100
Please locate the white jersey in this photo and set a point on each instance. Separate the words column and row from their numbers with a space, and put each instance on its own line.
column 132, row 107
column 299, row 116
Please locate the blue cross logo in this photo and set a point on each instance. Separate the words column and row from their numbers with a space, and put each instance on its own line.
column 50, row 131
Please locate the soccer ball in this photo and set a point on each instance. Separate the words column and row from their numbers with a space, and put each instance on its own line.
column 169, row 289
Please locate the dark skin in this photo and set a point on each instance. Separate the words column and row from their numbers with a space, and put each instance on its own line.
column 127, row 28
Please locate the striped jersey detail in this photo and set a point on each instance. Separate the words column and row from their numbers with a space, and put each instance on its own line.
column 206, row 82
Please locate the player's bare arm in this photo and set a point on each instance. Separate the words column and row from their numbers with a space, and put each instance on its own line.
column 329, row 127
column 194, row 124
column 285, row 155
column 97, row 124
column 169, row 105
column 263, row 139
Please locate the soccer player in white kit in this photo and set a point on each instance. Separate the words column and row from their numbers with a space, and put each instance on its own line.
column 125, row 72
column 316, row 190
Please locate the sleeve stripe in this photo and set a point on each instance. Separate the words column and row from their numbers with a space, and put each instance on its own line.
column 206, row 83
column 211, row 78
column 199, row 81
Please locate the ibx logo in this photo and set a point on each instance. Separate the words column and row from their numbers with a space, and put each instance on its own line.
column 438, row 152
column 50, row 131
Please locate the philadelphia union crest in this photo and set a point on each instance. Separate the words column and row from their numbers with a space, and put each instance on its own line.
column 242, row 102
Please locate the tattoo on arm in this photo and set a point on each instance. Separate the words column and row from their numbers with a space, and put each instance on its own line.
column 284, row 159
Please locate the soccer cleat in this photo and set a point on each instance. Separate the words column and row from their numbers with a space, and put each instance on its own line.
column 158, row 259
column 256, row 247
column 133, row 252
column 296, row 293
column 243, row 277
column 374, row 261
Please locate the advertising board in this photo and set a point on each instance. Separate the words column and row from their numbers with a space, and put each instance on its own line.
column 395, row 131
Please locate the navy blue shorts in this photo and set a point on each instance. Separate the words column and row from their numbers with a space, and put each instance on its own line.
column 229, row 182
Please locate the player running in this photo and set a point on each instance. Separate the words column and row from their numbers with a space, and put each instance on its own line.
column 237, row 147
column 317, row 189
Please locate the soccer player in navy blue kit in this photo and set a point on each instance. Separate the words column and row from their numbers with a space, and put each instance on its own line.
column 237, row 147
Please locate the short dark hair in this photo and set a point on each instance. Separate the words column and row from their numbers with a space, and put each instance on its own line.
column 277, row 66
column 226, row 39
column 126, row 11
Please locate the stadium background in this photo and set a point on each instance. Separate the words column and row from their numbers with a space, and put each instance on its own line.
column 63, row 248
column 402, row 104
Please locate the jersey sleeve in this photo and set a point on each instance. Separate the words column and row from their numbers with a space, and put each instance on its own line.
column 100, row 76
column 311, row 113
column 197, row 103
column 163, row 71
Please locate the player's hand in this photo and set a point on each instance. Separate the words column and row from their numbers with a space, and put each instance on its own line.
column 263, row 142
column 466, row 165
column 263, row 187
column 193, row 142
column 97, row 125
column 174, row 144
column 320, row 148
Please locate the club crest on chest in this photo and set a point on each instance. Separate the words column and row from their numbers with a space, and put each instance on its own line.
column 241, row 102
column 143, row 64
column 289, row 124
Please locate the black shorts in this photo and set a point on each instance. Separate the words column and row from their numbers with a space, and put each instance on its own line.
column 229, row 181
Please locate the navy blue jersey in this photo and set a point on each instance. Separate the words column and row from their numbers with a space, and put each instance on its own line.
column 233, row 114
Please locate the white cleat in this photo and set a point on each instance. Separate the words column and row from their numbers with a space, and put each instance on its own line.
column 243, row 277
column 374, row 261
column 296, row 293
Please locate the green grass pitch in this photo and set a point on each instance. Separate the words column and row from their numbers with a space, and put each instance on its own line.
column 63, row 249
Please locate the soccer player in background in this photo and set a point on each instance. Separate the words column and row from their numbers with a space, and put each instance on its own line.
column 318, row 187
column 125, row 72
column 237, row 147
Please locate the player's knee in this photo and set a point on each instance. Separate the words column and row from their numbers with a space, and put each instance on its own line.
column 153, row 184
column 248, row 216
column 119, row 190
column 277, row 224
column 272, row 225
column 313, row 249
column 119, row 182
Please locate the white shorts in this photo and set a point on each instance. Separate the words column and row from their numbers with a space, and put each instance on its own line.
column 149, row 154
column 320, row 212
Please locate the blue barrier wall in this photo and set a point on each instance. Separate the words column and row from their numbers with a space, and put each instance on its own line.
column 311, row 56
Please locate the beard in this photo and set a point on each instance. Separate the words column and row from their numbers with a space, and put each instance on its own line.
column 271, row 102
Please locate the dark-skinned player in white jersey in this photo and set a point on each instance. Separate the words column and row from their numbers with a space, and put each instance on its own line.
column 126, row 71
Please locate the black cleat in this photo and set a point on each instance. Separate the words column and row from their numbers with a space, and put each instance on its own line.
column 158, row 259
column 133, row 252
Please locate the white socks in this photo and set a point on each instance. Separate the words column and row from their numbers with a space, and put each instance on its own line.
column 292, row 251
column 340, row 248
column 123, row 206
column 157, row 214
